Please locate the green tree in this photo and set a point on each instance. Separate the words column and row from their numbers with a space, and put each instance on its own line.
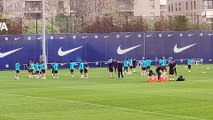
column 181, row 23
column 101, row 25
column 31, row 27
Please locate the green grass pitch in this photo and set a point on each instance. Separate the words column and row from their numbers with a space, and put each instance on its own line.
column 102, row 98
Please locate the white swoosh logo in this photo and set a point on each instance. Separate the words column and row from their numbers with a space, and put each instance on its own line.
column 127, row 36
column 17, row 38
column 178, row 50
column 148, row 36
column 62, row 37
column 170, row 35
column 63, row 53
column 190, row 35
column 8, row 53
column 106, row 36
column 121, row 52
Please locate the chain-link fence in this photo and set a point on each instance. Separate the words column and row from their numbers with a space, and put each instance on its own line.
column 75, row 24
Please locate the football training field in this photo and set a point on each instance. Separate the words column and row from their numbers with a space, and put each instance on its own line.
column 102, row 98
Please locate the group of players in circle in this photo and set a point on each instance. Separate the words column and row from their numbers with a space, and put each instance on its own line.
column 36, row 70
column 127, row 66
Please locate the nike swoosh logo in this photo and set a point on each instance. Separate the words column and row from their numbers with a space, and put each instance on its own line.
column 62, row 37
column 170, row 35
column 210, row 34
column 8, row 52
column 190, row 35
column 106, row 36
column 63, row 53
column 17, row 38
column 178, row 50
column 121, row 52
column 127, row 36
column 148, row 36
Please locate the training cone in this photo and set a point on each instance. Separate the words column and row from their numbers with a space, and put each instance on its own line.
column 152, row 79
column 163, row 79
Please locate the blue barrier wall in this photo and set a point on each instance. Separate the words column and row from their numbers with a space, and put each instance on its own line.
column 101, row 46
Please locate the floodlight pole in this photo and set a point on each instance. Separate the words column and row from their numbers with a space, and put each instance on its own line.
column 44, row 57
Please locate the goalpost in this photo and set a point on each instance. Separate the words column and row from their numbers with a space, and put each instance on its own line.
column 197, row 61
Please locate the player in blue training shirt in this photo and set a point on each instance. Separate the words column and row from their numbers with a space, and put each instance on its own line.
column 130, row 65
column 110, row 67
column 17, row 68
column 143, row 66
column 86, row 67
column 81, row 69
column 32, row 68
column 148, row 63
column 37, row 70
column 189, row 63
column 42, row 68
column 163, row 65
column 72, row 67
column 126, row 65
column 55, row 69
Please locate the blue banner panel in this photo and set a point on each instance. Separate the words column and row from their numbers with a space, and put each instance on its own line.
column 96, row 47
column 93, row 47
column 154, row 44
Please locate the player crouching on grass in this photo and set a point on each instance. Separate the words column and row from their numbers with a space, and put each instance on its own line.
column 42, row 68
column 159, row 71
column 17, row 68
column 86, row 67
column 55, row 70
column 81, row 69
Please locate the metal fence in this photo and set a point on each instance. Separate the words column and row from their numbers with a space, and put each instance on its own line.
column 74, row 24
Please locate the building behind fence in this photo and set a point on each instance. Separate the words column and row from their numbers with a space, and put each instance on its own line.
column 74, row 16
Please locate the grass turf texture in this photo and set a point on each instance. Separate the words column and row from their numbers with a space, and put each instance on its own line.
column 102, row 98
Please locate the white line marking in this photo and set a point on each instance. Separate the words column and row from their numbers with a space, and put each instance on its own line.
column 105, row 106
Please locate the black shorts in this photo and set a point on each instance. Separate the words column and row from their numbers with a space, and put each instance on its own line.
column 81, row 71
column 85, row 71
column 37, row 72
column 72, row 71
column 110, row 69
column 125, row 68
column 55, row 71
column 148, row 67
column 143, row 68
column 17, row 71
column 171, row 72
column 31, row 70
column 189, row 66
column 43, row 71
column 163, row 68
column 131, row 67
